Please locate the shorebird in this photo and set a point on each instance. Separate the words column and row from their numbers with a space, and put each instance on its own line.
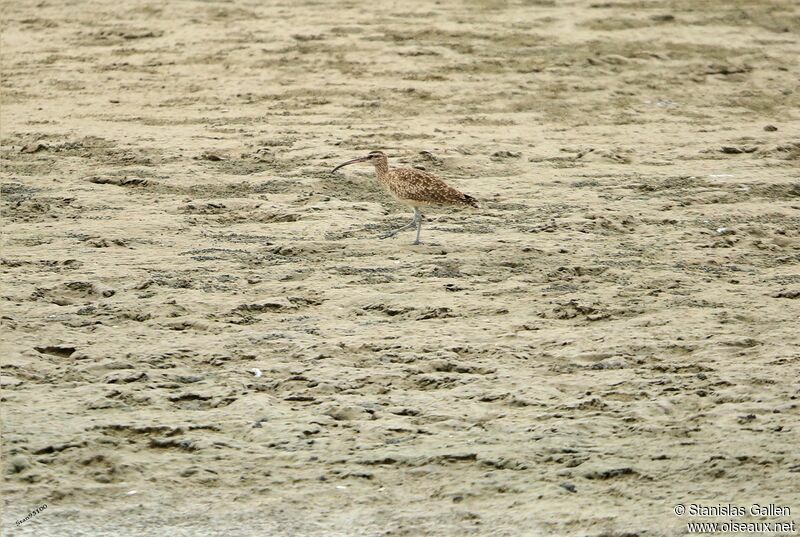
column 412, row 187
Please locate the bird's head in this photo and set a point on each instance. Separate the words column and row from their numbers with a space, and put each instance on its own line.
column 375, row 157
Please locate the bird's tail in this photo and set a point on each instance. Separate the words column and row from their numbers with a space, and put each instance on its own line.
column 472, row 202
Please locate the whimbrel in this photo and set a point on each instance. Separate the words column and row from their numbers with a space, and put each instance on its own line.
column 412, row 187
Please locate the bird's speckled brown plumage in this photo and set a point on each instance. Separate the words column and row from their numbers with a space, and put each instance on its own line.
column 415, row 188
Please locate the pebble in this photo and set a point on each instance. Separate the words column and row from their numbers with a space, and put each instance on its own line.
column 506, row 154
column 566, row 485
column 731, row 150
column 19, row 463
column 347, row 413
column 33, row 148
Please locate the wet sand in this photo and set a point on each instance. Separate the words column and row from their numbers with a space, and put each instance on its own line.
column 613, row 332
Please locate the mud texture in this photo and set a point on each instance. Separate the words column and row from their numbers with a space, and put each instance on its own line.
column 614, row 332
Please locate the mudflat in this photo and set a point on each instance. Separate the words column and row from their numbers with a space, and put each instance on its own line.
column 204, row 335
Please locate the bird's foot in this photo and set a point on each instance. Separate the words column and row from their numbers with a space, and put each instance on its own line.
column 398, row 230
column 393, row 233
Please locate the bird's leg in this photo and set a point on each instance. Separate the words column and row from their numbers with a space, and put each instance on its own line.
column 410, row 224
column 418, row 217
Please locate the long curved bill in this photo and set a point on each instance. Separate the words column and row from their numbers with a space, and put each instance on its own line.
column 342, row 165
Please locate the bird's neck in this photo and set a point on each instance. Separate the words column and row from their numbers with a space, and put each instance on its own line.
column 381, row 168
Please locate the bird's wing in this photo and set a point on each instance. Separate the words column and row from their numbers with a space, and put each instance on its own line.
column 416, row 185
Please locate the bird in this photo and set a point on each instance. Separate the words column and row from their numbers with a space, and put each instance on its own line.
column 414, row 188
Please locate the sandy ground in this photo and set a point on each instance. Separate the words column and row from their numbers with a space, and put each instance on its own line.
column 613, row 333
